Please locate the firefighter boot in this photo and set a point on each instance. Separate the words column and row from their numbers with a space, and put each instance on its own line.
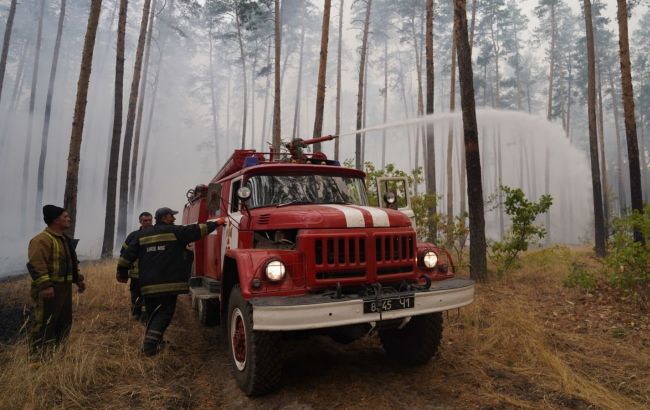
column 152, row 342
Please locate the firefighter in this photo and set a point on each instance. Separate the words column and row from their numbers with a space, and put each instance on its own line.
column 54, row 267
column 164, row 265
column 137, row 306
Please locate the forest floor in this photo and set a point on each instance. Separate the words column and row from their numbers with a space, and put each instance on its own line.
column 526, row 342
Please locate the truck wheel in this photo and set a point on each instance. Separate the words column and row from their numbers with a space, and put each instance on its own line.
column 416, row 342
column 208, row 311
column 254, row 355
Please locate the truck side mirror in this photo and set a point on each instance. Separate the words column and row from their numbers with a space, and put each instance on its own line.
column 390, row 198
column 214, row 197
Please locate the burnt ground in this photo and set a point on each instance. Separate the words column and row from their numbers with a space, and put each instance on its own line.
column 14, row 312
column 526, row 342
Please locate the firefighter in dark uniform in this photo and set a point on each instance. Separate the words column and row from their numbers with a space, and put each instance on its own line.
column 165, row 266
column 137, row 305
column 54, row 267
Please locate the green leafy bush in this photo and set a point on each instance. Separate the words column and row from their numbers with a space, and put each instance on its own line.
column 628, row 262
column 523, row 232
column 579, row 276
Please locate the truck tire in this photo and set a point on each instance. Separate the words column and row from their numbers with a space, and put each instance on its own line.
column 208, row 311
column 416, row 342
column 254, row 355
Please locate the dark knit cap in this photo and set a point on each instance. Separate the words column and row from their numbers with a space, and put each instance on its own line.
column 51, row 212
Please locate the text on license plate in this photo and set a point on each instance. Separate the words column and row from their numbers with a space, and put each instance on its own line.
column 386, row 304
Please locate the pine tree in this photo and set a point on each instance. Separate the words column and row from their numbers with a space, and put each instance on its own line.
column 72, row 176
column 477, row 249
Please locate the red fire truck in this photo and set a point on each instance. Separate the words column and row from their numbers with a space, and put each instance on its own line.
column 303, row 253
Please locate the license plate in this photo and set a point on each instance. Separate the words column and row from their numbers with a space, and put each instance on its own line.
column 386, row 304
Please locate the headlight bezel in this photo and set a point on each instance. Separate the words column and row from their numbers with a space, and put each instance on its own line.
column 275, row 270
column 427, row 256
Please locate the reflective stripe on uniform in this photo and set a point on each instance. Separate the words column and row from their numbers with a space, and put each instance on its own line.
column 165, row 288
column 163, row 237
column 56, row 251
column 204, row 229
column 123, row 262
column 41, row 279
column 61, row 279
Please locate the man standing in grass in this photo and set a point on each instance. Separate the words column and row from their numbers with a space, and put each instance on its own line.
column 54, row 267
column 137, row 306
column 165, row 266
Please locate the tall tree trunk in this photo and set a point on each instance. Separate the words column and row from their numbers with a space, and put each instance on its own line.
column 569, row 100
column 601, row 143
column 72, row 175
column 228, row 112
column 213, row 96
column 6, row 42
column 362, row 68
column 497, row 79
column 296, row 112
column 547, row 190
column 243, row 70
column 619, row 151
column 322, row 72
column 128, row 129
column 385, row 116
column 147, row 133
column 530, row 107
column 365, row 111
column 20, row 78
column 30, row 121
column 499, row 160
column 420, row 129
column 111, row 187
column 338, row 82
column 48, row 111
column 406, row 115
column 276, row 99
column 138, row 123
column 450, row 144
column 253, row 89
column 636, row 191
column 431, row 164
column 593, row 137
column 473, row 25
column 551, row 70
column 477, row 245
column 517, row 68
column 266, row 94
column 13, row 102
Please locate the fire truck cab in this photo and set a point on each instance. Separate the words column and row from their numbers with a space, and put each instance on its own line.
column 302, row 252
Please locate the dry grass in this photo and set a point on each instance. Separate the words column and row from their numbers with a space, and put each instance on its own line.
column 526, row 342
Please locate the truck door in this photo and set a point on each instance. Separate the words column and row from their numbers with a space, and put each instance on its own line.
column 399, row 187
column 230, row 236
column 217, row 206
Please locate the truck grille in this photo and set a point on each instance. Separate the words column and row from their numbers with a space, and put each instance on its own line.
column 341, row 255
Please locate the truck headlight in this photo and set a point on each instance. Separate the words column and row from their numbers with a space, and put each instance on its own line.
column 275, row 270
column 430, row 259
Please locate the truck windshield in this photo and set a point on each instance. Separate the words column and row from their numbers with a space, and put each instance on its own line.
column 281, row 190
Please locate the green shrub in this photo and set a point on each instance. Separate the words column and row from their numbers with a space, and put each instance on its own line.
column 522, row 212
column 580, row 277
column 628, row 262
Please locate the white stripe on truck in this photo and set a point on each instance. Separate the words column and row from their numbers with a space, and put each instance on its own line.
column 353, row 217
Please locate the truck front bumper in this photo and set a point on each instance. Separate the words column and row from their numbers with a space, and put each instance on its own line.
column 324, row 310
